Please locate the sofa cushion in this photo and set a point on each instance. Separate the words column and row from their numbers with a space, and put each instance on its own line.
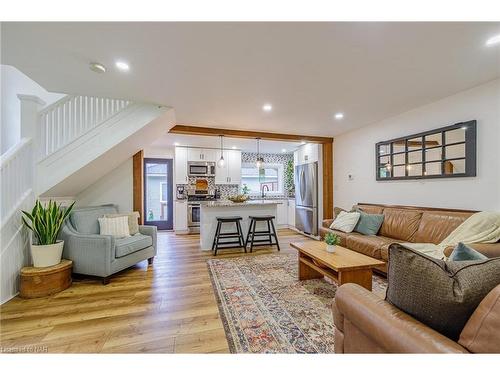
column 129, row 245
column 369, row 209
column 400, row 224
column 369, row 224
column 345, row 221
column 464, row 252
column 368, row 245
column 442, row 295
column 84, row 220
column 435, row 226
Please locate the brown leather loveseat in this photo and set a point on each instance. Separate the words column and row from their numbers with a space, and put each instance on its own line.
column 406, row 224
column 365, row 323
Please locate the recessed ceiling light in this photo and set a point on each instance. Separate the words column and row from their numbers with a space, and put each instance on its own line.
column 267, row 107
column 493, row 40
column 303, row 142
column 283, row 150
column 176, row 143
column 123, row 66
column 339, row 116
column 234, row 147
column 97, row 67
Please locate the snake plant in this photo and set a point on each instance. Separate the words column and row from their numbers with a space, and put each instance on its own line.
column 45, row 221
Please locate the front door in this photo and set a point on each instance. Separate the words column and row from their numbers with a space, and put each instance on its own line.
column 158, row 193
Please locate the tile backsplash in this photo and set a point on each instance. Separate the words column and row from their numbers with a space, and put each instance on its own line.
column 248, row 157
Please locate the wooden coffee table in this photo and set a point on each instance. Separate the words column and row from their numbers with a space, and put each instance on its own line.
column 343, row 266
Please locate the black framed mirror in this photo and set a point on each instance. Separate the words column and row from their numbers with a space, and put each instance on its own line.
column 440, row 153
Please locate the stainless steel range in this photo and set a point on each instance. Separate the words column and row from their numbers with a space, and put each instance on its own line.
column 194, row 209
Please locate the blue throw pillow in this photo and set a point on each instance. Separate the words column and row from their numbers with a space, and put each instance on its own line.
column 464, row 252
column 369, row 224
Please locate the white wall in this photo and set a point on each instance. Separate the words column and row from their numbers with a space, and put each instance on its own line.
column 355, row 154
column 116, row 187
column 14, row 82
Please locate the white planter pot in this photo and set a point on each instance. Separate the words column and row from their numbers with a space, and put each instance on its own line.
column 330, row 248
column 47, row 255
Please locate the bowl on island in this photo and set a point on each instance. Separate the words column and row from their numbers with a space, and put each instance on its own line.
column 238, row 198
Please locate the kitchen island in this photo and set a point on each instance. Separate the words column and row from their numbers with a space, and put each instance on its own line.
column 211, row 210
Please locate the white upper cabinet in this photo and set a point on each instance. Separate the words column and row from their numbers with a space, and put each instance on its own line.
column 230, row 174
column 221, row 172
column 308, row 153
column 201, row 154
column 234, row 170
column 181, row 158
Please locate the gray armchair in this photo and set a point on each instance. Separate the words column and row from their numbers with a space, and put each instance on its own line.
column 100, row 255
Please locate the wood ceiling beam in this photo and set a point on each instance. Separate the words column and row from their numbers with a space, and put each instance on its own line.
column 201, row 130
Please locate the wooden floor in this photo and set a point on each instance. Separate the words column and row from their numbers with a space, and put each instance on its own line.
column 168, row 307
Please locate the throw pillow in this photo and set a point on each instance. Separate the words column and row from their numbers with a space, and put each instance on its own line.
column 133, row 221
column 114, row 226
column 369, row 224
column 442, row 295
column 464, row 252
column 345, row 221
column 337, row 211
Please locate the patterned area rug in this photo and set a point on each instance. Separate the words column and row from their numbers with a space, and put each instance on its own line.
column 266, row 309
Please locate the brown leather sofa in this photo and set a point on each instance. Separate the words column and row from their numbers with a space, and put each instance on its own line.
column 365, row 323
column 406, row 224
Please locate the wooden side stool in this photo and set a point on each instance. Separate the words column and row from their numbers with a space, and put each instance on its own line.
column 44, row 281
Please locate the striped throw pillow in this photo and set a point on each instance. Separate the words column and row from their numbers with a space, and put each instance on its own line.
column 114, row 226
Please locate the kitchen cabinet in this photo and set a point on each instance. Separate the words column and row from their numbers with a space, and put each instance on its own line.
column 291, row 212
column 201, row 154
column 180, row 216
column 282, row 214
column 230, row 174
column 308, row 153
column 180, row 163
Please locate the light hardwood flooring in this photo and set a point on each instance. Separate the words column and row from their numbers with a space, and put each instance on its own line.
column 168, row 307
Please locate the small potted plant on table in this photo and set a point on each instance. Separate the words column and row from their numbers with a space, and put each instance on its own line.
column 45, row 222
column 331, row 240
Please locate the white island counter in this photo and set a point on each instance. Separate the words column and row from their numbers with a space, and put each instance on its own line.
column 211, row 210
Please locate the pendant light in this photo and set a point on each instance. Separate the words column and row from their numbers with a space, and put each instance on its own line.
column 260, row 159
column 221, row 163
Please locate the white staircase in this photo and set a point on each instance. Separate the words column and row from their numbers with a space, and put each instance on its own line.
column 66, row 147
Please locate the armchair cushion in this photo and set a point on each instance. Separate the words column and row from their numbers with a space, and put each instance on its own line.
column 128, row 245
column 84, row 220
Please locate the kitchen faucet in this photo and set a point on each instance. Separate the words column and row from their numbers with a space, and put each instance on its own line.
column 262, row 190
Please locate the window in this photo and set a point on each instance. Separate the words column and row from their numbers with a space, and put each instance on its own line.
column 163, row 192
column 444, row 152
column 269, row 178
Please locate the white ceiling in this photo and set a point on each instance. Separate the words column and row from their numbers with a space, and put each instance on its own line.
column 249, row 145
column 220, row 74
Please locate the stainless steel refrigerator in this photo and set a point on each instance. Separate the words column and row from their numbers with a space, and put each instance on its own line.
column 306, row 198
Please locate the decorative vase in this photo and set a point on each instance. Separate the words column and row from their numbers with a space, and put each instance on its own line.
column 47, row 255
column 330, row 248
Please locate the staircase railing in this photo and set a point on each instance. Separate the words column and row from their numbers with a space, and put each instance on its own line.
column 71, row 117
column 16, row 177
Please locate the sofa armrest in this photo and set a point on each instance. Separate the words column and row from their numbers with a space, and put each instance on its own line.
column 149, row 230
column 491, row 250
column 327, row 222
column 91, row 254
column 389, row 328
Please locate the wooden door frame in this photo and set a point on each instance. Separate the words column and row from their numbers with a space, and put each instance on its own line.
column 138, row 184
column 326, row 142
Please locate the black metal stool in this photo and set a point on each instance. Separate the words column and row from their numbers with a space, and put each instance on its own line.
column 217, row 244
column 269, row 233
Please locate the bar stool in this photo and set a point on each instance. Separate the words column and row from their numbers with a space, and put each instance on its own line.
column 269, row 233
column 217, row 244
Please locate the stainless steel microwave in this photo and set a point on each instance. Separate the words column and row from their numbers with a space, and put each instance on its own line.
column 201, row 169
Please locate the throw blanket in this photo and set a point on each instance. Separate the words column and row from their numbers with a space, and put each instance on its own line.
column 482, row 227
